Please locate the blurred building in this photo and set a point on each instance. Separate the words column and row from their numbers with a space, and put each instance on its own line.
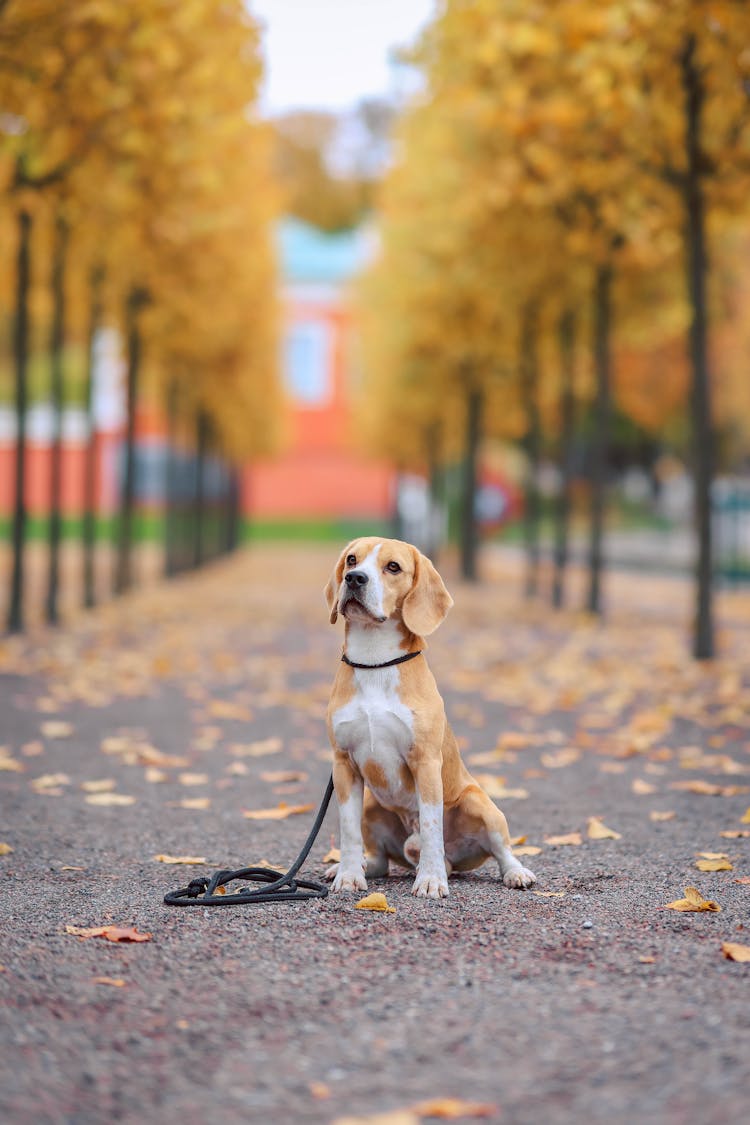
column 323, row 477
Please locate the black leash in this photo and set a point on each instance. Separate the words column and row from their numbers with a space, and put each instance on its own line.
column 281, row 887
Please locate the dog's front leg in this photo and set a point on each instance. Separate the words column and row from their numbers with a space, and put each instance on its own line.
column 350, row 872
column 432, row 878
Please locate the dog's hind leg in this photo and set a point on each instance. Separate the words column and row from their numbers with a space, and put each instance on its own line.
column 384, row 836
column 485, row 820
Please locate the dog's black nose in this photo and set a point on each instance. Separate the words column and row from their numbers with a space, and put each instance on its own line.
column 355, row 579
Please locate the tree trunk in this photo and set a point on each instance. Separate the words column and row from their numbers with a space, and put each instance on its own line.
column 124, row 568
column 566, row 335
column 199, row 529
column 469, row 530
column 529, row 370
column 435, row 493
column 700, row 399
column 170, row 484
column 91, row 456
column 21, row 363
column 599, row 454
column 57, row 393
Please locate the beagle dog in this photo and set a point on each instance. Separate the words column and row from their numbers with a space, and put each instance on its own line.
column 386, row 721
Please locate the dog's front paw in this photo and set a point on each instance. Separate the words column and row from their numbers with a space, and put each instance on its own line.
column 348, row 879
column 519, row 877
column 431, row 883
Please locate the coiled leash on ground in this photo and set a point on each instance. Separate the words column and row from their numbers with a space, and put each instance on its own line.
column 281, row 887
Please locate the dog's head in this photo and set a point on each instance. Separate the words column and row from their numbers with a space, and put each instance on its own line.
column 380, row 579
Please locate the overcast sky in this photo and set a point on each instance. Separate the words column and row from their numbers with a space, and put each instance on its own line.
column 331, row 53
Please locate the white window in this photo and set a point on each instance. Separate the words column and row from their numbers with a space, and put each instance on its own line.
column 307, row 362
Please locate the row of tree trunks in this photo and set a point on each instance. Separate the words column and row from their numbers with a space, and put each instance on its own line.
column 88, row 529
column 21, row 363
column 566, row 331
column 528, row 364
column 57, row 390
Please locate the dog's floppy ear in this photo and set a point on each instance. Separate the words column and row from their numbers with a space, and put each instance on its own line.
column 427, row 603
column 332, row 589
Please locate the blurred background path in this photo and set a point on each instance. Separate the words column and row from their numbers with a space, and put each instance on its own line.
column 152, row 725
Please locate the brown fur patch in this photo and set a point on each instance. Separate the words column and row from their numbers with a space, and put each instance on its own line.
column 407, row 777
column 375, row 775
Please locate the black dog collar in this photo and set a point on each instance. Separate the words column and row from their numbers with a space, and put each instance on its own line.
column 388, row 663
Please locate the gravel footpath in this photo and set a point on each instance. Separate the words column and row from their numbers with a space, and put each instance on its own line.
column 585, row 1002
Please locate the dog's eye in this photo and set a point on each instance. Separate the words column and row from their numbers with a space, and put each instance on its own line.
column 351, row 560
column 393, row 567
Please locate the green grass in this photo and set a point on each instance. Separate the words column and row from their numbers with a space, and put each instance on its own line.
column 147, row 527
column 311, row 531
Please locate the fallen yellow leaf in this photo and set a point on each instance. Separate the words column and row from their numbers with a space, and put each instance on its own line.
column 733, row 951
column 332, row 856
column 735, row 834
column 709, row 788
column 54, row 728
column 647, row 960
column 115, row 982
column 5, row 849
column 642, row 788
column 278, row 813
column 712, row 855
column 527, row 849
column 375, row 901
column 111, row 933
column 256, row 749
column 448, row 1109
column 193, row 779
column 193, row 803
column 655, row 814
column 693, row 901
column 109, row 799
column 745, row 819
column 278, row 776
column 713, row 865
column 556, row 759
column 516, row 840
column 49, row 781
column 598, row 831
column 319, row 1090
column 226, row 709
column 563, row 841
column 187, row 859
column 12, row 765
column 103, row 786
column 549, row 894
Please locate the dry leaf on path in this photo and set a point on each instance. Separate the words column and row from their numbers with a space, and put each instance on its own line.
column 658, row 815
column 527, row 849
column 106, row 799
column 12, row 765
column 745, row 879
column 104, row 785
column 332, row 856
column 714, row 865
column 192, row 803
column 549, row 894
column 193, row 779
column 563, row 841
column 735, row 834
column 693, row 901
column 279, row 813
column 114, row 982
column 449, row 1109
column 708, row 788
column 642, row 788
column 375, row 901
column 598, row 831
column 187, row 859
column 227, row 709
column 55, row 728
column 49, row 781
column 276, row 777
column 111, row 933
column 5, row 849
column 745, row 818
column 733, row 951
column 256, row 749
column 556, row 759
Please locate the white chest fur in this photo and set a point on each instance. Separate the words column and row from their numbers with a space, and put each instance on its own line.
column 376, row 728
